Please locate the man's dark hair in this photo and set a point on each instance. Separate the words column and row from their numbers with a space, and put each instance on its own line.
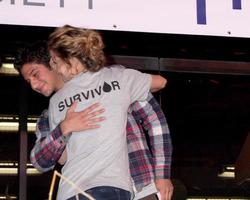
column 33, row 53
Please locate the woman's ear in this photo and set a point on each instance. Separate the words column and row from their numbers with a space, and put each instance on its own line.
column 73, row 70
column 72, row 67
column 76, row 66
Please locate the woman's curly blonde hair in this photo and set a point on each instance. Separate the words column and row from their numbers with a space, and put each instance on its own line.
column 84, row 44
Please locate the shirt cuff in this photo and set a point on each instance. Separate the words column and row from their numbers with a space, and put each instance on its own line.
column 59, row 136
column 163, row 173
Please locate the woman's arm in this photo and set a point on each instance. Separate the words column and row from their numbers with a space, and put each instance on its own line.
column 158, row 83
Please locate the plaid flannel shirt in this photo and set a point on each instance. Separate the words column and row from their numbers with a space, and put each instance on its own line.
column 149, row 154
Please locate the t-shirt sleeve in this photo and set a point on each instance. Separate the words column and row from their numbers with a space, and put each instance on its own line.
column 137, row 83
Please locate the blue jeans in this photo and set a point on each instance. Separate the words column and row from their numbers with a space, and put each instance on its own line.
column 105, row 193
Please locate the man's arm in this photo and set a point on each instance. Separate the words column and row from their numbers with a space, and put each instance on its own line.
column 50, row 145
column 153, row 120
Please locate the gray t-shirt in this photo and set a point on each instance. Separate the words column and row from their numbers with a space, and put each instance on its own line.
column 99, row 157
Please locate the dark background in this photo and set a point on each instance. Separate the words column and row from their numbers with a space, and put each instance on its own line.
column 208, row 112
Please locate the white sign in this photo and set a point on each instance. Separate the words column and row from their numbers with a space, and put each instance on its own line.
column 196, row 17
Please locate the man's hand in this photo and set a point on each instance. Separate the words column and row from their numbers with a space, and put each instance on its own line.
column 165, row 188
column 87, row 119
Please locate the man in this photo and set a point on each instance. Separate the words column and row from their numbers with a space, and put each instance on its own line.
column 147, row 165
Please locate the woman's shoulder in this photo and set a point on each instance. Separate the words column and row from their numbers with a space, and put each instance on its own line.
column 115, row 67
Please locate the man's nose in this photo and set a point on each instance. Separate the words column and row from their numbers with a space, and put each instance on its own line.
column 34, row 84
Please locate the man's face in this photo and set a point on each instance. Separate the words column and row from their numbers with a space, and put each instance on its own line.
column 41, row 79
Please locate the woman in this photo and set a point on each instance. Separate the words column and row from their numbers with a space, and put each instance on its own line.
column 97, row 160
